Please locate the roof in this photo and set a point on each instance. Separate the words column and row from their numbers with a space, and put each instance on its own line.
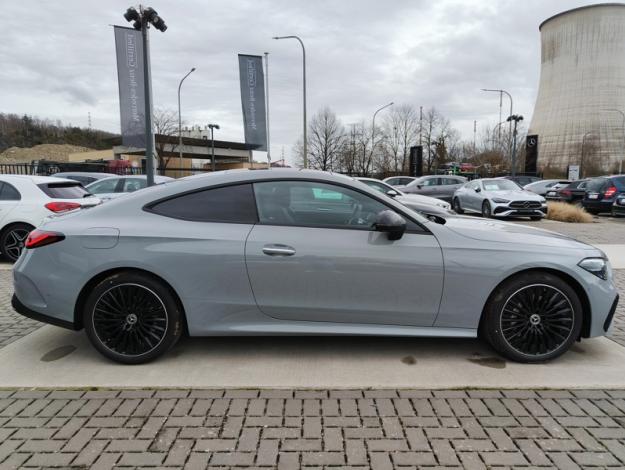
column 585, row 7
column 36, row 179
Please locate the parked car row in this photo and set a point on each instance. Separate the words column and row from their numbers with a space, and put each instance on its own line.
column 26, row 201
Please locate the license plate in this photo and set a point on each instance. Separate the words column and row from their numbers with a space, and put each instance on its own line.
column 593, row 196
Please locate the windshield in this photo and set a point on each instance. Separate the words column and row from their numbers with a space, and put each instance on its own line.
column 378, row 186
column 499, row 185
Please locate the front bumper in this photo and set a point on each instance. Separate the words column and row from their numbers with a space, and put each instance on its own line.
column 22, row 309
column 504, row 210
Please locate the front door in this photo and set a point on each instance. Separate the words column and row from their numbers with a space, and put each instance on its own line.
column 315, row 257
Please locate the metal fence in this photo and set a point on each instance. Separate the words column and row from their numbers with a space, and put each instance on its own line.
column 48, row 168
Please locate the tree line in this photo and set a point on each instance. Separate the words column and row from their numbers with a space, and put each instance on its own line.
column 28, row 131
column 361, row 149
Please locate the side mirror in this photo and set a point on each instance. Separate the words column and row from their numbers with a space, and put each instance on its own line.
column 419, row 186
column 390, row 222
column 478, row 190
column 392, row 193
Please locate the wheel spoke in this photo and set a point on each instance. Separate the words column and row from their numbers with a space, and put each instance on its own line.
column 537, row 320
column 130, row 319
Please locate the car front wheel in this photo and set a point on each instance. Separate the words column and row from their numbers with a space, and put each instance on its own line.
column 132, row 318
column 486, row 210
column 457, row 206
column 533, row 317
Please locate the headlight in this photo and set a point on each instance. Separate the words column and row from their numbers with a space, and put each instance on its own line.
column 498, row 200
column 543, row 200
column 596, row 266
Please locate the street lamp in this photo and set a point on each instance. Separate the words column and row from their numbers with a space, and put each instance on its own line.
column 304, row 94
column 212, row 127
column 500, row 95
column 620, row 163
column 373, row 126
column 180, row 122
column 141, row 21
column 516, row 118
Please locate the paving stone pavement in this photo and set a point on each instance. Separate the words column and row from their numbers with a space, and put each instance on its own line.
column 12, row 325
column 312, row 429
column 603, row 229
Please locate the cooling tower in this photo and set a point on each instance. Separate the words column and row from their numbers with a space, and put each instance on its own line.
column 581, row 96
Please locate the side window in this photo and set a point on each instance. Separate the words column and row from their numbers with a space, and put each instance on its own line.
column 134, row 184
column 104, row 186
column 229, row 204
column 312, row 204
column 431, row 182
column 9, row 193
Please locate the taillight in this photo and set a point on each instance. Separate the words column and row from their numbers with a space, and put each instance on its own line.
column 566, row 192
column 38, row 238
column 611, row 191
column 62, row 206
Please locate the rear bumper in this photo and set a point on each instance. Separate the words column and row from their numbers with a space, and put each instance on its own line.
column 603, row 206
column 22, row 309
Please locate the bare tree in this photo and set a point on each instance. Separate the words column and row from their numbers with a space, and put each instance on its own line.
column 401, row 127
column 165, row 122
column 325, row 138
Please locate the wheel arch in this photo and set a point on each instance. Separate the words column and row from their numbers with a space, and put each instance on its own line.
column 579, row 290
column 86, row 289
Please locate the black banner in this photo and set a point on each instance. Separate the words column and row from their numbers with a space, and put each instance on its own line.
column 531, row 154
column 416, row 160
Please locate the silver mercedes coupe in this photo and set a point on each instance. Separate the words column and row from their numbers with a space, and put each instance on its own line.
column 300, row 252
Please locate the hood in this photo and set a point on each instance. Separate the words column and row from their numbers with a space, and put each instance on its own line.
column 418, row 198
column 490, row 230
column 515, row 195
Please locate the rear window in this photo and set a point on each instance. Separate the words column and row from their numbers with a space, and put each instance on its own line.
column 619, row 181
column 595, row 185
column 64, row 190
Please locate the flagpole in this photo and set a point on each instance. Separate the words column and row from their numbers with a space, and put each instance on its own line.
column 267, row 107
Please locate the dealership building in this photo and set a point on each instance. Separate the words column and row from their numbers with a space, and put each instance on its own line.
column 579, row 116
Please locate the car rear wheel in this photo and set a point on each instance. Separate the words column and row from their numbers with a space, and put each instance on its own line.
column 533, row 317
column 132, row 318
column 457, row 206
column 486, row 210
column 13, row 239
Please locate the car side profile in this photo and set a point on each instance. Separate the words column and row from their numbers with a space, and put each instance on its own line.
column 25, row 201
column 116, row 186
column 542, row 186
column 302, row 252
column 399, row 180
column 438, row 186
column 498, row 197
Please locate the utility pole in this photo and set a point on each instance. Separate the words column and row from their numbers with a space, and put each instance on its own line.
column 516, row 118
column 180, row 123
column 474, row 133
column 212, row 127
column 421, row 126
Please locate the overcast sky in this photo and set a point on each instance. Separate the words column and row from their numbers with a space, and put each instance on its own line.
column 58, row 60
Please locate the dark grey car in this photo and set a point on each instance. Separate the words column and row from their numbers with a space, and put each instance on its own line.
column 439, row 186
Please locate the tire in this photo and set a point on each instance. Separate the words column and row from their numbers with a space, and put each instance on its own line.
column 515, row 311
column 457, row 207
column 13, row 239
column 132, row 318
column 486, row 210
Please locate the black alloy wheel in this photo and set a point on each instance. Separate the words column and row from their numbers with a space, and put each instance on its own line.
column 132, row 318
column 537, row 319
column 486, row 210
column 13, row 240
column 532, row 317
column 457, row 206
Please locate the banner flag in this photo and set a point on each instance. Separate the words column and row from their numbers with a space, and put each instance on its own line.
column 129, row 50
column 253, row 100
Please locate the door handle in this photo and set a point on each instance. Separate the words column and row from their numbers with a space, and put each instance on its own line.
column 278, row 250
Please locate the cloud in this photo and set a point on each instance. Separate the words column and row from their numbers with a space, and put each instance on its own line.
column 58, row 58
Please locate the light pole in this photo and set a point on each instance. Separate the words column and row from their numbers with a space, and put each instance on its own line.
column 304, row 94
column 516, row 118
column 373, row 126
column 620, row 163
column 500, row 94
column 212, row 127
column 267, row 108
column 141, row 21
column 180, row 123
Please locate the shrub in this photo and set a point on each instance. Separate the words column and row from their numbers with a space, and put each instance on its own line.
column 563, row 212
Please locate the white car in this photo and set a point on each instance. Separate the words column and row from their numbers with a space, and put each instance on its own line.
column 399, row 180
column 25, row 201
column 116, row 186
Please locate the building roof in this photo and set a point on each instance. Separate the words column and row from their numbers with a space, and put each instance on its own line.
column 173, row 139
column 585, row 7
